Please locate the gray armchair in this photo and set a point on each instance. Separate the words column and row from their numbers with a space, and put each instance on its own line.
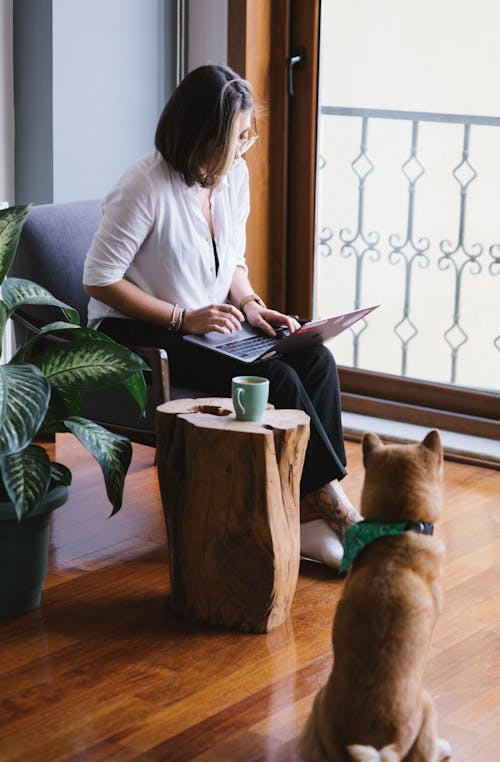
column 52, row 248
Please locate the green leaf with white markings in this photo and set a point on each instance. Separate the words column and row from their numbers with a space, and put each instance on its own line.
column 17, row 292
column 126, row 361
column 51, row 328
column 63, row 404
column 86, row 364
column 26, row 477
column 112, row 452
column 3, row 320
column 24, row 399
column 60, row 473
column 136, row 387
column 11, row 223
column 44, row 394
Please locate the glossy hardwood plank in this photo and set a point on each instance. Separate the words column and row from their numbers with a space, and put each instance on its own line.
column 104, row 672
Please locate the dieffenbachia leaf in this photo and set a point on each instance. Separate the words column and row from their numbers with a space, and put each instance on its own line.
column 60, row 473
column 3, row 319
column 137, row 389
column 17, row 291
column 63, row 404
column 133, row 382
column 112, row 451
column 11, row 223
column 88, row 363
column 26, row 477
column 24, row 399
column 50, row 328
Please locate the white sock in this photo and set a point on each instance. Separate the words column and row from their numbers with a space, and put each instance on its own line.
column 320, row 543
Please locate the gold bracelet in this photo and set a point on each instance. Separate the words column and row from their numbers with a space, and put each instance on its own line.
column 251, row 298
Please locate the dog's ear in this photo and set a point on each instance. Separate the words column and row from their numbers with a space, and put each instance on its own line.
column 432, row 442
column 371, row 442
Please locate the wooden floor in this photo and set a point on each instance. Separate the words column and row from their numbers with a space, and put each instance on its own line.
column 103, row 672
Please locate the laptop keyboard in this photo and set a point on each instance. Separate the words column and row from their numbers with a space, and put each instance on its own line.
column 250, row 347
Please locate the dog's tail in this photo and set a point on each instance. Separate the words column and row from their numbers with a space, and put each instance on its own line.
column 360, row 753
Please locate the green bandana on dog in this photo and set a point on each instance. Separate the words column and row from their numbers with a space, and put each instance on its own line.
column 365, row 532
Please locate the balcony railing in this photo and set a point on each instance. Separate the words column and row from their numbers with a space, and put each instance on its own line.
column 376, row 224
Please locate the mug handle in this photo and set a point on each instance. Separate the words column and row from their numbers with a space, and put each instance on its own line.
column 239, row 394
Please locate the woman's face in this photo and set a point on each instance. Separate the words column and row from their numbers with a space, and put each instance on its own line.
column 246, row 136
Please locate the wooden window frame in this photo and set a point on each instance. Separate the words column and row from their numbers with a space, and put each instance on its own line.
column 258, row 33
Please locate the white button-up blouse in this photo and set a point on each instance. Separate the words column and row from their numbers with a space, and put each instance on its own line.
column 153, row 234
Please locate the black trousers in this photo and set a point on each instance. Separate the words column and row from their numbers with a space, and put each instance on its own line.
column 306, row 380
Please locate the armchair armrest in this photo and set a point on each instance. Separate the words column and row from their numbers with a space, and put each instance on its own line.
column 155, row 357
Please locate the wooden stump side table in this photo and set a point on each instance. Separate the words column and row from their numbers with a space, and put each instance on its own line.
column 230, row 494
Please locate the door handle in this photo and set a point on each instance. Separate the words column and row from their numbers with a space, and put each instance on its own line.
column 297, row 60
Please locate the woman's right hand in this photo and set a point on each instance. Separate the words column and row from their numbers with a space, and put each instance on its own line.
column 223, row 318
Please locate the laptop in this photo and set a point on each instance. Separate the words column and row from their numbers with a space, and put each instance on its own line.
column 251, row 345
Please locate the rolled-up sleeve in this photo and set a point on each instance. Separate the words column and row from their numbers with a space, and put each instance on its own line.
column 128, row 218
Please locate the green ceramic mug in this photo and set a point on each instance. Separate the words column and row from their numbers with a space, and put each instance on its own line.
column 250, row 395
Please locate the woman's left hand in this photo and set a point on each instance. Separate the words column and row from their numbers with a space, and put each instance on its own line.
column 265, row 319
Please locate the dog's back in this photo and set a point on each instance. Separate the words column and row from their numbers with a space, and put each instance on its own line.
column 383, row 626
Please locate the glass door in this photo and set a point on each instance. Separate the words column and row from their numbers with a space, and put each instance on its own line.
column 407, row 179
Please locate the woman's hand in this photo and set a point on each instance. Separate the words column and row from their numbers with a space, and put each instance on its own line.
column 264, row 319
column 223, row 318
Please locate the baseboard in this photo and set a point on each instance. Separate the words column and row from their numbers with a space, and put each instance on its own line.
column 463, row 448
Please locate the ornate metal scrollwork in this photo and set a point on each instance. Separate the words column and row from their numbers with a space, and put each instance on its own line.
column 407, row 249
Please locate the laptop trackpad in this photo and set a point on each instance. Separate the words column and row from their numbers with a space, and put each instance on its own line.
column 216, row 339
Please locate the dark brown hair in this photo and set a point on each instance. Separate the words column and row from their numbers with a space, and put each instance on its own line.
column 198, row 126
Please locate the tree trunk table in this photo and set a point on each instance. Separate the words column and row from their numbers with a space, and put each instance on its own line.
column 230, row 494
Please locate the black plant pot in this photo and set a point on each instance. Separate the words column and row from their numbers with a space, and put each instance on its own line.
column 24, row 549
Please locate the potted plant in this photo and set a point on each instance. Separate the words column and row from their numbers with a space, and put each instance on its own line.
column 40, row 394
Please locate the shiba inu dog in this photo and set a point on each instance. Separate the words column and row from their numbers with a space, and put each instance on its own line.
column 374, row 706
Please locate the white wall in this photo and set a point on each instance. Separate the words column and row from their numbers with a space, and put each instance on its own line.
column 207, row 35
column 207, row 32
column 109, row 87
column 6, row 130
column 91, row 78
column 6, row 104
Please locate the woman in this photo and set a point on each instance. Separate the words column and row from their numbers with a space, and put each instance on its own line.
column 169, row 257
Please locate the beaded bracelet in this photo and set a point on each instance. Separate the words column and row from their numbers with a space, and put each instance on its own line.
column 175, row 325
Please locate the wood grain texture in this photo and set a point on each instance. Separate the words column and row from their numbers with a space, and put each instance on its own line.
column 103, row 671
column 258, row 49
column 230, row 492
column 303, row 119
column 248, row 22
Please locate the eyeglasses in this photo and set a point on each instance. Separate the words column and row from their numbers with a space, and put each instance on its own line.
column 245, row 143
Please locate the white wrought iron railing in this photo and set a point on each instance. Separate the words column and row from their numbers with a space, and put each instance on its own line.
column 377, row 225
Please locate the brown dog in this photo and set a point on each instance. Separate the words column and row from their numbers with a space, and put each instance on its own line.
column 374, row 706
